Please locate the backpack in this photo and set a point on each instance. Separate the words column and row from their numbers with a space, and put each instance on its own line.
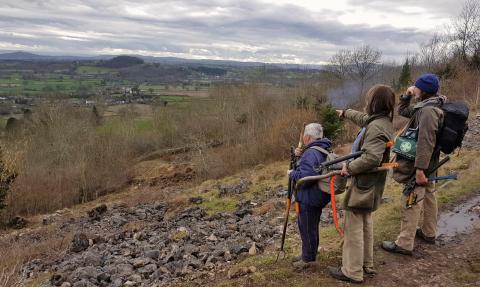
column 340, row 181
column 454, row 126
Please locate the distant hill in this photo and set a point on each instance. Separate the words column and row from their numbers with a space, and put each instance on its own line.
column 122, row 62
column 25, row 56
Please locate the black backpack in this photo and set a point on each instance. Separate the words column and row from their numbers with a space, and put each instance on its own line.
column 454, row 126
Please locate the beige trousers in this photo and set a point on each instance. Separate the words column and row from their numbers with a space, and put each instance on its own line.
column 358, row 244
column 423, row 215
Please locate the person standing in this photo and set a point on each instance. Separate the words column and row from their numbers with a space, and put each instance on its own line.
column 366, row 190
column 310, row 198
column 426, row 118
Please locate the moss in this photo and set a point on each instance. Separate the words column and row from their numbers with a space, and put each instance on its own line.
column 466, row 277
column 38, row 280
column 215, row 204
column 179, row 235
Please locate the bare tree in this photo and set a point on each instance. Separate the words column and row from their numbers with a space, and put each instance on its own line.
column 466, row 29
column 434, row 52
column 365, row 64
column 339, row 64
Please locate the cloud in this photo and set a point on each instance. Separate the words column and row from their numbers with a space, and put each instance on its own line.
column 270, row 31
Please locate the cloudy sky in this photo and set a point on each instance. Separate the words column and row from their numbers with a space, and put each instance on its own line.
column 286, row 31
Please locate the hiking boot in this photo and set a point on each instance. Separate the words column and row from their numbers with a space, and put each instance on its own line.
column 391, row 246
column 337, row 273
column 427, row 239
column 296, row 258
column 302, row 265
column 369, row 271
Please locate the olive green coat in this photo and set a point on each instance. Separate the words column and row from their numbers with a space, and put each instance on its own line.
column 366, row 189
column 428, row 118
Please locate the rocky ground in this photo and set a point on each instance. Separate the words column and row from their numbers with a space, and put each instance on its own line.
column 161, row 244
column 472, row 138
column 122, row 246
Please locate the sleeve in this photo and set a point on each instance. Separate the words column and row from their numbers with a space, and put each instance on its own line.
column 404, row 108
column 428, row 125
column 359, row 118
column 373, row 147
column 309, row 161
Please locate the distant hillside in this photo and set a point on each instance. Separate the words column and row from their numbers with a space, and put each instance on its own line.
column 107, row 61
column 25, row 56
column 22, row 56
column 122, row 62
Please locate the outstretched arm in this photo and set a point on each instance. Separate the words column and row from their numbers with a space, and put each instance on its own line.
column 358, row 118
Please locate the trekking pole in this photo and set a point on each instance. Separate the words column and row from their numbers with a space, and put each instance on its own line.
column 293, row 160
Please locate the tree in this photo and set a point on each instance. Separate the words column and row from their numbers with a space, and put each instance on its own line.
column 405, row 76
column 332, row 125
column 434, row 53
column 339, row 64
column 365, row 64
column 466, row 28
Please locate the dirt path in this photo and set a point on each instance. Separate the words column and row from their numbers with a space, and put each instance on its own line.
column 454, row 263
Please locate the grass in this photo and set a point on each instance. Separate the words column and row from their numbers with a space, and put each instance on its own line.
column 17, row 86
column 92, row 70
column 386, row 226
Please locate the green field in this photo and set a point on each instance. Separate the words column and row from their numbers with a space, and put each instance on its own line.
column 64, row 84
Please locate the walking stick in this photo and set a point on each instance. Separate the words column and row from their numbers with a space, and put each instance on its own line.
column 293, row 161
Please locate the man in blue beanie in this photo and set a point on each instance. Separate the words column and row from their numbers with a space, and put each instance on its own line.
column 426, row 118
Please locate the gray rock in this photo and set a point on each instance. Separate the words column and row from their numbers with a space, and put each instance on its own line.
column 83, row 283
column 238, row 188
column 153, row 254
column 105, row 277
column 135, row 278
column 92, row 259
column 57, row 279
column 96, row 212
column 238, row 249
column 124, row 269
column 139, row 262
column 79, row 243
column 117, row 282
column 148, row 269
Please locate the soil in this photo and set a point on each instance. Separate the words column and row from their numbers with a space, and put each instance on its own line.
column 453, row 261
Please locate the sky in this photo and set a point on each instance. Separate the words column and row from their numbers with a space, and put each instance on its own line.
column 277, row 31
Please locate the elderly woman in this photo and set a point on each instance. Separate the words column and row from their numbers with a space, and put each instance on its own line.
column 310, row 198
column 365, row 193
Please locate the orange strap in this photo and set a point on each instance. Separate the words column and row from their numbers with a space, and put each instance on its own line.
column 334, row 206
column 390, row 164
column 297, row 208
column 389, row 144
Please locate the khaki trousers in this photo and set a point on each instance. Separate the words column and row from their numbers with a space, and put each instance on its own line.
column 423, row 214
column 358, row 244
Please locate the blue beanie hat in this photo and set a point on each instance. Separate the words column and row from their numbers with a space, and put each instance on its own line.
column 428, row 83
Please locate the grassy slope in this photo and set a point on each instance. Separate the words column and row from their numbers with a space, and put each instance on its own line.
column 264, row 178
column 386, row 219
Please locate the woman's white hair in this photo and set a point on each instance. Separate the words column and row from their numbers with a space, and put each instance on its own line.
column 314, row 130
